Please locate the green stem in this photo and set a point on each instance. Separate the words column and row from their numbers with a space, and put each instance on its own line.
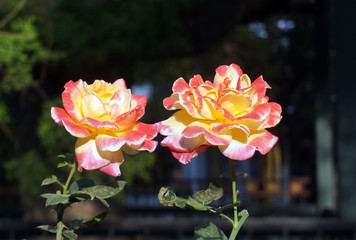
column 244, row 214
column 234, row 200
column 61, row 207
column 220, row 209
column 222, row 215
column 72, row 171
column 60, row 212
column 242, row 220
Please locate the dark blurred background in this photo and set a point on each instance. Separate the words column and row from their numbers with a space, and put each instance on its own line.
column 303, row 189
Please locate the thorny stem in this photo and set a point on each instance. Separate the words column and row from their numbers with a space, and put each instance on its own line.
column 61, row 207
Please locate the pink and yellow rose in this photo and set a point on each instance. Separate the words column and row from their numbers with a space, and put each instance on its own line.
column 104, row 117
column 231, row 113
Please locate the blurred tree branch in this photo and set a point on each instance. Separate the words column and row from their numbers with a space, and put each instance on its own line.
column 19, row 6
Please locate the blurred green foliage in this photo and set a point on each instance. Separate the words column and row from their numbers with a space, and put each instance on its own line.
column 28, row 171
column 54, row 140
column 138, row 167
column 20, row 51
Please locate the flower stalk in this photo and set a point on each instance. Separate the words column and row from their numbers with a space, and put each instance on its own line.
column 61, row 207
column 244, row 214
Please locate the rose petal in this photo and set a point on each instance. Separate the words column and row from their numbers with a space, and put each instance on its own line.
column 185, row 158
column 180, row 85
column 138, row 100
column 237, row 150
column 171, row 104
column 179, row 143
column 257, row 91
column 220, row 127
column 274, row 117
column 235, row 104
column 92, row 106
column 99, row 124
column 149, row 129
column 88, row 156
column 61, row 117
column 120, row 84
column 120, row 103
column 112, row 169
column 129, row 118
column 195, row 81
column 258, row 113
column 232, row 72
column 213, row 139
column 188, row 103
column 71, row 98
column 148, row 145
column 244, row 82
column 110, row 143
column 175, row 124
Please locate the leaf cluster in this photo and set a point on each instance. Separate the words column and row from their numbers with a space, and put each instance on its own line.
column 199, row 201
column 82, row 190
column 79, row 191
column 73, row 225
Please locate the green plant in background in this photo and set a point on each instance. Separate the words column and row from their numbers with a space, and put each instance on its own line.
column 20, row 51
column 138, row 167
column 22, row 56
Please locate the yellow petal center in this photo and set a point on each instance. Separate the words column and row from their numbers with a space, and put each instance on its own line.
column 93, row 107
column 235, row 104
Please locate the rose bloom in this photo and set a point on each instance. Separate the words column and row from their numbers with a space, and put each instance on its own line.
column 230, row 113
column 104, row 117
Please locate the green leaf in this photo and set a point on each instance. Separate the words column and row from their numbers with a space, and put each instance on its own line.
column 70, row 234
column 101, row 191
column 48, row 228
column 62, row 164
column 104, row 192
column 105, row 203
column 169, row 196
column 181, row 202
column 98, row 218
column 196, row 205
column 80, row 184
column 85, row 189
column 67, row 159
column 49, row 180
column 80, row 197
column 209, row 231
column 55, row 198
column 70, row 156
column 76, row 223
column 166, row 197
column 213, row 192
